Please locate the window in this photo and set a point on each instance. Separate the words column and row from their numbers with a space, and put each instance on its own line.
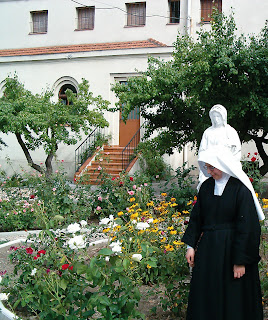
column 85, row 18
column 39, row 21
column 174, row 11
column 62, row 94
column 206, row 8
column 136, row 13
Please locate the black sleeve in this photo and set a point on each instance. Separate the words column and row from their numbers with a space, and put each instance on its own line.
column 247, row 232
column 193, row 231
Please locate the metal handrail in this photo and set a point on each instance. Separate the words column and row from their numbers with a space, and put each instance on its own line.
column 129, row 150
column 83, row 151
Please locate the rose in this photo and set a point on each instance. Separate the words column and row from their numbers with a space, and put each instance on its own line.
column 83, row 223
column 77, row 242
column 104, row 221
column 33, row 272
column 41, row 252
column 253, row 159
column 4, row 296
column 65, row 266
column 131, row 178
column 29, row 250
column 131, row 193
column 99, row 198
column 74, row 227
column 136, row 257
column 32, row 196
column 98, row 208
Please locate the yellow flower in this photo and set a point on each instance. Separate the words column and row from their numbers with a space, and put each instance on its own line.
column 120, row 213
column 173, row 199
column 148, row 266
column 117, row 228
column 173, row 205
column 178, row 243
column 155, row 230
column 169, row 247
column 185, row 212
column 163, row 194
column 195, row 198
column 132, row 199
column 139, row 209
column 150, row 204
column 257, row 195
column 155, row 221
column 190, row 202
column 164, row 239
column 113, row 238
column 134, row 215
column 170, row 228
column 173, row 232
column 106, row 230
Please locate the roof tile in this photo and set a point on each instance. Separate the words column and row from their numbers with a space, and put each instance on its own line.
column 150, row 43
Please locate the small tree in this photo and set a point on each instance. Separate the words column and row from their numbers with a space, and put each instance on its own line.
column 37, row 122
column 220, row 67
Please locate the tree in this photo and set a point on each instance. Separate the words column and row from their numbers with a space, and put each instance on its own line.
column 220, row 67
column 37, row 122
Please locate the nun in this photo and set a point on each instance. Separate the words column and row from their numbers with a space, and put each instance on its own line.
column 223, row 238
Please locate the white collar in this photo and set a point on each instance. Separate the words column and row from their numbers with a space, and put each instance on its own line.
column 220, row 184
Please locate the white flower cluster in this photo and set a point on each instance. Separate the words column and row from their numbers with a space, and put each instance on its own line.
column 77, row 242
column 109, row 222
column 116, row 246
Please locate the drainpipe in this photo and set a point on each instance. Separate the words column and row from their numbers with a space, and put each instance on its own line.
column 189, row 32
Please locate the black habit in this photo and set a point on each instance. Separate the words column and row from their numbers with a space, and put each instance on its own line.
column 224, row 230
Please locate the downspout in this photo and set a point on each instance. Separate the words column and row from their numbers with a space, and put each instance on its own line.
column 189, row 32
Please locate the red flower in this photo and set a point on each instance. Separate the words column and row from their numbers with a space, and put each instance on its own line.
column 32, row 196
column 47, row 271
column 131, row 178
column 29, row 250
column 71, row 268
column 65, row 266
column 41, row 251
column 256, row 153
column 35, row 258
column 113, row 178
column 186, row 222
column 251, row 180
column 194, row 202
column 253, row 159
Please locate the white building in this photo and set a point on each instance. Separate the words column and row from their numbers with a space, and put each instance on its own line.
column 56, row 43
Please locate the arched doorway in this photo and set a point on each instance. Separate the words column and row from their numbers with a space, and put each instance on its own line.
column 62, row 94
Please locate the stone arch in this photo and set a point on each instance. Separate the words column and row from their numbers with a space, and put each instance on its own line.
column 63, row 83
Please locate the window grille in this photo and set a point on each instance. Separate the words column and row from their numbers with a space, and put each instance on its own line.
column 174, row 11
column 207, row 8
column 136, row 14
column 86, row 17
column 39, row 21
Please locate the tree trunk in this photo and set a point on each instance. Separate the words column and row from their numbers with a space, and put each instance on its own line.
column 49, row 162
column 259, row 141
column 27, row 154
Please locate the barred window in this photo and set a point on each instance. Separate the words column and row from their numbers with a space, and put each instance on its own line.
column 39, row 21
column 206, row 8
column 136, row 13
column 62, row 94
column 85, row 18
column 174, row 11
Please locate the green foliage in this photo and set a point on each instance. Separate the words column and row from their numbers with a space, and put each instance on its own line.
column 152, row 163
column 220, row 67
column 38, row 122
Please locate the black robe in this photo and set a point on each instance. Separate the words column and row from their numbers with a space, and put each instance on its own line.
column 224, row 230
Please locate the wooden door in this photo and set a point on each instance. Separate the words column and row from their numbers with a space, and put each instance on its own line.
column 127, row 130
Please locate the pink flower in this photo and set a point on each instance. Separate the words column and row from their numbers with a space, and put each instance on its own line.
column 32, row 196
column 53, row 189
column 134, row 187
column 99, row 168
column 32, row 210
column 127, row 209
column 100, row 159
column 56, row 171
column 47, row 271
column 131, row 193
column 99, row 198
column 145, row 184
column 24, row 210
column 98, row 208
column 139, row 188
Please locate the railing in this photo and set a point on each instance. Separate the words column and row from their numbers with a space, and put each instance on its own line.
column 128, row 153
column 86, row 148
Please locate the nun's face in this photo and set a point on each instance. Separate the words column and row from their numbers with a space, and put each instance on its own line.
column 215, row 173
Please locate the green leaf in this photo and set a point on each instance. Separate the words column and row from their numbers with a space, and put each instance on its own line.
column 63, row 283
column 105, row 252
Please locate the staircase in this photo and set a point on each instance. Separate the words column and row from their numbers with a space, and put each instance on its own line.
column 109, row 160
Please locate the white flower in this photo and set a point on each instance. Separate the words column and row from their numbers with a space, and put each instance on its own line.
column 137, row 257
column 4, row 296
column 83, row 223
column 33, row 272
column 117, row 248
column 117, row 243
column 134, row 221
column 77, row 242
column 111, row 217
column 1, row 279
column 74, row 227
column 107, row 259
column 150, row 220
column 104, row 221
column 142, row 225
